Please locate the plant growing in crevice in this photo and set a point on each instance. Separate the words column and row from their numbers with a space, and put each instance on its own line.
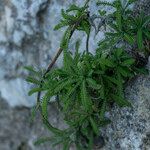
column 87, row 85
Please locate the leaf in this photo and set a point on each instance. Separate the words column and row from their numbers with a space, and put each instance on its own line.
column 63, row 84
column 128, row 62
column 66, row 145
column 70, row 92
column 67, row 16
column 62, row 23
column 86, row 26
column 33, row 111
column 129, row 38
column 56, row 131
column 107, row 62
column 112, row 79
column 92, row 83
column 91, row 141
column 44, row 104
column 94, row 126
column 65, row 40
column 86, row 102
column 121, row 102
column 102, row 111
column 124, row 71
column 77, row 46
column 147, row 33
column 33, row 80
column 119, row 19
column 118, row 52
column 142, row 71
column 146, row 22
column 140, row 39
column 42, row 140
column 30, row 68
column 35, row 90
column 73, row 7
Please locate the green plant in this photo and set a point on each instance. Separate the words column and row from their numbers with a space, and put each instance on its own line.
column 124, row 26
column 87, row 85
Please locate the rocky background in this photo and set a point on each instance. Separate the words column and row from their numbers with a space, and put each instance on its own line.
column 27, row 38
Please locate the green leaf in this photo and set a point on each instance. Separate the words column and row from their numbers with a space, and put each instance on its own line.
column 102, row 12
column 62, row 23
column 65, row 40
column 147, row 33
column 86, row 102
column 33, row 111
column 63, row 84
column 107, row 62
column 30, row 68
column 140, row 39
column 73, row 7
column 92, row 83
column 67, row 16
column 66, row 145
column 86, row 26
column 35, row 90
column 119, row 19
column 112, row 79
column 129, row 38
column 121, row 102
column 142, row 71
column 94, row 126
column 42, row 140
column 102, row 111
column 128, row 62
column 91, row 141
column 124, row 71
column 56, row 131
column 33, row 80
column 119, row 52
column 44, row 104
column 68, row 95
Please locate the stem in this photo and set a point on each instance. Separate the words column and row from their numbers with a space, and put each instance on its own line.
column 53, row 61
column 87, row 43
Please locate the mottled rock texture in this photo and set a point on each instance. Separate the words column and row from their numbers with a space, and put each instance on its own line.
column 27, row 38
column 18, row 132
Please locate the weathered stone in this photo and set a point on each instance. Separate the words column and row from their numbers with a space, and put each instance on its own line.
column 17, row 132
column 130, row 126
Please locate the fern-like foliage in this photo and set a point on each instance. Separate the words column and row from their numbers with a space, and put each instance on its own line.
column 87, row 84
column 124, row 26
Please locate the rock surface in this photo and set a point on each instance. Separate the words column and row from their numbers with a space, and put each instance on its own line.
column 17, row 132
column 130, row 127
column 27, row 38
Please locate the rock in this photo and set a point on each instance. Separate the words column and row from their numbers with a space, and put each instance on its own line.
column 130, row 127
column 17, row 132
column 17, row 90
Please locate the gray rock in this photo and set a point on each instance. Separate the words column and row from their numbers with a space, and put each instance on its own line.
column 17, row 132
column 130, row 127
